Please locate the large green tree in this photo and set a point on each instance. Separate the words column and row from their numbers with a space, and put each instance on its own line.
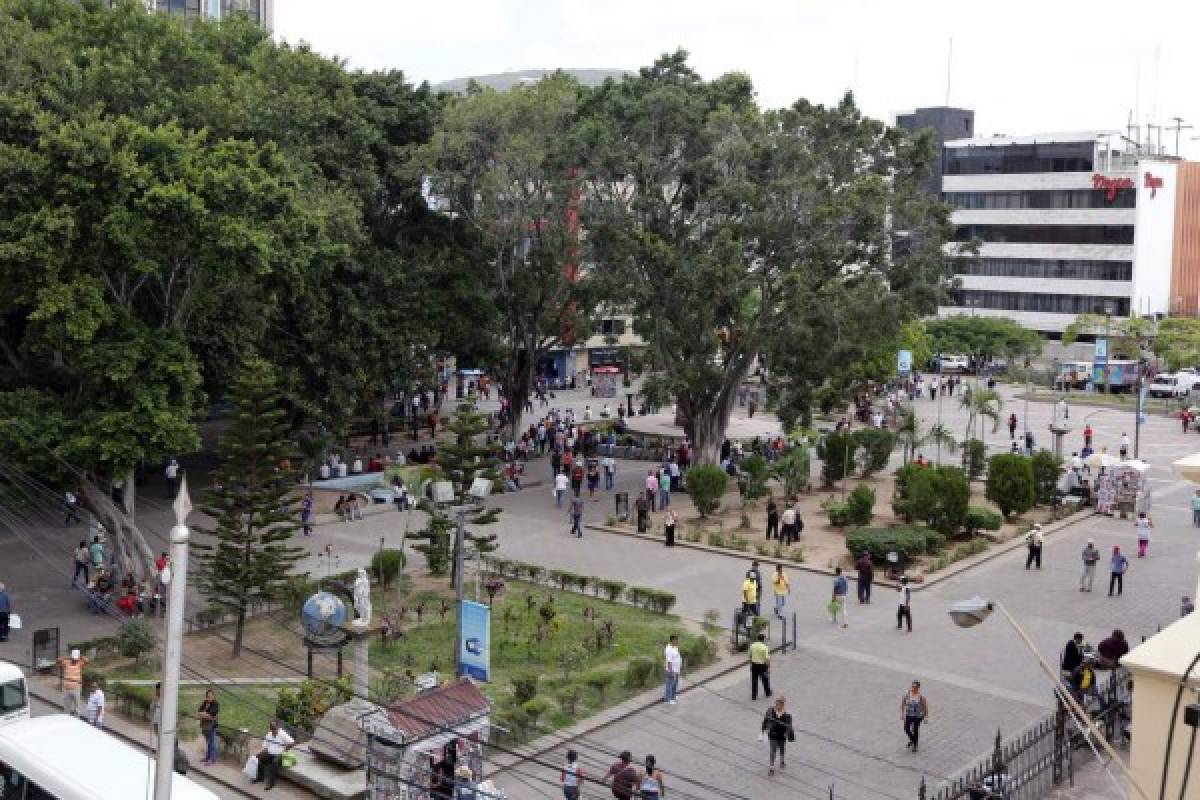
column 253, row 500
column 500, row 164
column 734, row 233
column 983, row 338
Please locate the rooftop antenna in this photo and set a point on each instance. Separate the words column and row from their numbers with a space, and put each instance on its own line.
column 1177, row 127
column 949, row 63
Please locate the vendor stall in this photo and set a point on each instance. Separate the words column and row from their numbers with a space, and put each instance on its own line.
column 604, row 381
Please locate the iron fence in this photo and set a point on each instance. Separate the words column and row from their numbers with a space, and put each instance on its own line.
column 1030, row 765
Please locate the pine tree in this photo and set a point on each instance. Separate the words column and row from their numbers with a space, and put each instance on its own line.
column 253, row 499
column 466, row 457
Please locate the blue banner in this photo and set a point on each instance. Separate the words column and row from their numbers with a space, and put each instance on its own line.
column 1101, row 351
column 475, row 641
column 904, row 362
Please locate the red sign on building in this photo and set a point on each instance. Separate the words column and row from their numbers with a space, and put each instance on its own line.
column 1111, row 185
column 1153, row 183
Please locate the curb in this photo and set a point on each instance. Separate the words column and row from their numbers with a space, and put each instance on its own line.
column 950, row 571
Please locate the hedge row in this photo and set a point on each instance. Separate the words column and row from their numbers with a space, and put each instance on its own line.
column 614, row 591
column 908, row 540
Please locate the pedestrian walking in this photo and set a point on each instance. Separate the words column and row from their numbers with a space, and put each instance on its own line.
column 1033, row 544
column 760, row 667
column 571, row 777
column 789, row 524
column 669, row 522
column 778, row 731
column 837, row 603
column 207, row 713
column 758, row 581
column 650, row 781
column 610, row 472
column 1117, row 566
column 749, row 595
column 914, row 709
column 904, row 610
column 643, row 513
column 83, row 558
column 1124, row 446
column 71, row 674
column 95, row 705
column 866, row 576
column 1090, row 557
column 1143, row 525
column 593, row 477
column 773, row 517
column 577, row 517
column 561, row 484
column 70, row 507
column 781, row 588
column 577, row 478
column 1012, row 427
column 96, row 549
column 651, row 488
column 1087, row 436
column 1196, row 509
column 1072, row 655
column 672, row 667
column 171, row 473
column 623, row 776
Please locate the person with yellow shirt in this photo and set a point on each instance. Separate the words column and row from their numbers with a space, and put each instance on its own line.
column 781, row 589
column 760, row 667
column 750, row 595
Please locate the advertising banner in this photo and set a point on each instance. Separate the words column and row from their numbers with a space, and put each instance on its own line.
column 904, row 363
column 474, row 636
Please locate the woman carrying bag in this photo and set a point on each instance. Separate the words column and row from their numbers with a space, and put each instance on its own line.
column 208, row 712
column 778, row 731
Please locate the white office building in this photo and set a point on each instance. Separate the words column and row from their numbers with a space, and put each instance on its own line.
column 1071, row 223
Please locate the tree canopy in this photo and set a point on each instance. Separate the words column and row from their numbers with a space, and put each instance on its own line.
column 983, row 337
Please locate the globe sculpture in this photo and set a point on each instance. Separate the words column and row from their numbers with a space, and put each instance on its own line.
column 323, row 615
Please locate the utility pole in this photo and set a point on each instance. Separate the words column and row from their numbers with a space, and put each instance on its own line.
column 461, row 512
column 173, row 652
column 1177, row 127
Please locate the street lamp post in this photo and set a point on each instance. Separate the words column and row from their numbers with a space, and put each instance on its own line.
column 1108, row 312
column 969, row 613
column 173, row 650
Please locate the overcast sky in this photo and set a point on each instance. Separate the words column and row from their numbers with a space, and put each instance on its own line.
column 1024, row 66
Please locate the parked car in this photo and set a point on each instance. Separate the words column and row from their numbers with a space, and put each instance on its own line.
column 1177, row 384
column 955, row 363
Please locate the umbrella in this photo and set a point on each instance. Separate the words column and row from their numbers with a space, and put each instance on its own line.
column 1136, row 463
column 1101, row 460
column 1189, row 467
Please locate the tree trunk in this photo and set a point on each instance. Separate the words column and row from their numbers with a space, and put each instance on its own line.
column 707, row 423
column 517, row 389
column 237, row 633
column 130, row 496
column 128, row 542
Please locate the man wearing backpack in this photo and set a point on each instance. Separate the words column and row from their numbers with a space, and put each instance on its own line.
column 1033, row 542
column 778, row 730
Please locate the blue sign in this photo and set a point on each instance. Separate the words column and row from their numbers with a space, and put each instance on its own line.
column 475, row 640
column 904, row 362
column 1101, row 352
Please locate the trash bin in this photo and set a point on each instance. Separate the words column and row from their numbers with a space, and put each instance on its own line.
column 622, row 509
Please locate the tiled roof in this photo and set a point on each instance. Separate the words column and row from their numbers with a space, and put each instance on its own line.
column 444, row 707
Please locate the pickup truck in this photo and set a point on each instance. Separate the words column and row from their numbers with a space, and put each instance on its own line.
column 1173, row 384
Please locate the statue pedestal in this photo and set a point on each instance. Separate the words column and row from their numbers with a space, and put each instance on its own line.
column 1059, row 431
column 360, row 676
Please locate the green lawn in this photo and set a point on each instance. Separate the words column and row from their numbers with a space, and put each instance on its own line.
column 562, row 652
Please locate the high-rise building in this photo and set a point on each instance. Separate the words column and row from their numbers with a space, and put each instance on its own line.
column 1072, row 223
column 946, row 122
column 261, row 11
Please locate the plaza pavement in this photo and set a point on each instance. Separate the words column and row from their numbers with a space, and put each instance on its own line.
column 843, row 686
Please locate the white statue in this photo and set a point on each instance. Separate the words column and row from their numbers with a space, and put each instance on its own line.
column 362, row 599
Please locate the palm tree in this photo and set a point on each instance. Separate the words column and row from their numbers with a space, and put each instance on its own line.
column 911, row 435
column 982, row 403
column 939, row 435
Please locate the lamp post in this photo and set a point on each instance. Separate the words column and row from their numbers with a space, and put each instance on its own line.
column 1108, row 312
column 478, row 493
column 173, row 651
column 972, row 612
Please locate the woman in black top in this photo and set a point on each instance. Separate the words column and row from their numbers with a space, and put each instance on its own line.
column 208, row 712
column 772, row 519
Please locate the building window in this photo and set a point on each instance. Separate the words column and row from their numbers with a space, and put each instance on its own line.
column 248, row 7
column 1055, row 198
column 612, row 327
column 1047, row 234
column 1015, row 159
column 1044, row 303
column 1048, row 268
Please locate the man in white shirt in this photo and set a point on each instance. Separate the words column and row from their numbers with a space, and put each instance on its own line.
column 324, row 472
column 672, row 665
column 95, row 706
column 275, row 744
column 610, row 471
column 172, row 474
column 561, row 484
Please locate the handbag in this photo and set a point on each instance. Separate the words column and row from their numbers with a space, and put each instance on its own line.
column 251, row 768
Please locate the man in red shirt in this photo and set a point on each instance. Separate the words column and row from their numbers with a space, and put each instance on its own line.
column 624, row 777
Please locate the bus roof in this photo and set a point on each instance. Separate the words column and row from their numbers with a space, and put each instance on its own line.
column 10, row 672
column 71, row 759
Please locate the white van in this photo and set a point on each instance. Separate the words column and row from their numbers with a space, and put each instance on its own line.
column 1173, row 384
column 14, row 694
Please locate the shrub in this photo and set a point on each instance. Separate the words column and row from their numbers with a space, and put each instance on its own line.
column 901, row 500
column 612, row 590
column 836, row 451
column 860, row 505
column 706, row 484
column 715, row 539
column 712, row 622
column 301, row 707
column 974, row 458
column 386, row 565
column 793, row 469
column 534, row 572
column 739, row 543
column 524, row 687
column 907, row 540
column 697, row 651
column 568, row 699
column 640, row 672
column 1010, row 483
column 982, row 519
column 599, row 681
column 877, row 446
column 757, row 473
column 1045, row 476
column 534, row 708
column 136, row 638
column 662, row 602
column 839, row 513
column 938, row 496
